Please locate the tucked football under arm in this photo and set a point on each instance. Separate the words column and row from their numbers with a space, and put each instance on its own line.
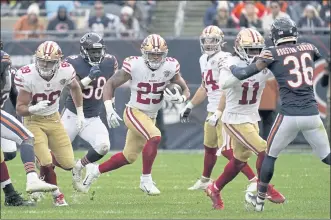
column 118, row 79
column 178, row 79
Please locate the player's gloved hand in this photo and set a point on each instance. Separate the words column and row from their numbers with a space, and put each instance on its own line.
column 34, row 109
column 80, row 117
column 112, row 116
column 176, row 98
column 94, row 72
column 185, row 112
column 213, row 119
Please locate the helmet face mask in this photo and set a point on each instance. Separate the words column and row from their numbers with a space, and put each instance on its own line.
column 47, row 59
column 154, row 50
column 92, row 48
column 248, row 44
column 211, row 40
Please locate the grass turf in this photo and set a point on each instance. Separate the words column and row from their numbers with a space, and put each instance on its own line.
column 302, row 178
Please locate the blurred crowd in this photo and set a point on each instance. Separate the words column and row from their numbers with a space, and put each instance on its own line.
column 123, row 18
column 309, row 15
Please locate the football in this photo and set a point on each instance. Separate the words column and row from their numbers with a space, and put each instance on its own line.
column 172, row 87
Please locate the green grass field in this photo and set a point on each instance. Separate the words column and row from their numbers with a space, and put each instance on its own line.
column 302, row 178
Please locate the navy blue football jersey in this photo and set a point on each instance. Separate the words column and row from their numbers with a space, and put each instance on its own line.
column 293, row 68
column 8, row 81
column 92, row 93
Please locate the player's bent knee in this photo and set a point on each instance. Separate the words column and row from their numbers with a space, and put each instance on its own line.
column 244, row 156
column 103, row 148
column 155, row 140
column 131, row 157
column 29, row 141
column 9, row 155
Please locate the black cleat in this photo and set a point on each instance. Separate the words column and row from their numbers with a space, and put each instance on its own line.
column 17, row 200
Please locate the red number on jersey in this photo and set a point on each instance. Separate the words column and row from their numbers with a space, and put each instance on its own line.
column 25, row 69
column 209, row 80
column 149, row 88
column 65, row 64
column 52, row 97
column 245, row 86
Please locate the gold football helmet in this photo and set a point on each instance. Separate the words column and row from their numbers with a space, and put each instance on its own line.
column 48, row 57
column 154, row 50
column 211, row 40
column 248, row 44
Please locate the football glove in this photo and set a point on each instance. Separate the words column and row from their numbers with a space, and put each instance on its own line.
column 37, row 108
column 112, row 116
column 213, row 119
column 176, row 98
column 94, row 72
column 80, row 117
column 185, row 112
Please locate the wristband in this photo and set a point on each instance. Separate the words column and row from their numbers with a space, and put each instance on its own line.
column 86, row 81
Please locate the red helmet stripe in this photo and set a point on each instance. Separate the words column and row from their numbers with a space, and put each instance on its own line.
column 252, row 35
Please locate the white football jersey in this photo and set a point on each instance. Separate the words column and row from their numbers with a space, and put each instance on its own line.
column 243, row 98
column 147, row 86
column 28, row 79
column 211, row 77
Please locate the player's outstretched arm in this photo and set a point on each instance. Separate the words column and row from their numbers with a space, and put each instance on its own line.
column 118, row 79
column 250, row 70
column 178, row 79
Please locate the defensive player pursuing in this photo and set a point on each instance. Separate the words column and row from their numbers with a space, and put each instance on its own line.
column 93, row 68
column 240, row 116
column 12, row 129
column 149, row 75
column 211, row 41
column 40, row 85
column 292, row 64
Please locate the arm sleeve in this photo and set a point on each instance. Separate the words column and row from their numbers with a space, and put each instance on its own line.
column 177, row 71
column 127, row 65
column 317, row 54
column 21, row 82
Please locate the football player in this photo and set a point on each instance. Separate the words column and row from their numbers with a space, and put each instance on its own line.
column 149, row 75
column 12, row 129
column 211, row 41
column 292, row 64
column 93, row 68
column 240, row 116
column 40, row 85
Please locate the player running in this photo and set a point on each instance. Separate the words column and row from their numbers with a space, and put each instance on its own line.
column 211, row 41
column 40, row 85
column 93, row 68
column 240, row 116
column 292, row 64
column 12, row 129
column 149, row 75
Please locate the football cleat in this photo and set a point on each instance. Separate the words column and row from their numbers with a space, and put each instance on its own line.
column 36, row 196
column 38, row 185
column 148, row 186
column 215, row 196
column 274, row 196
column 59, row 200
column 252, row 187
column 200, row 184
column 17, row 200
column 92, row 173
column 77, row 177
column 251, row 199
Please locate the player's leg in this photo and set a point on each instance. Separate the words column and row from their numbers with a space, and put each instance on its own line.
column 142, row 125
column 282, row 133
column 9, row 149
column 12, row 198
column 314, row 132
column 12, row 129
column 227, row 151
column 210, row 146
column 60, row 145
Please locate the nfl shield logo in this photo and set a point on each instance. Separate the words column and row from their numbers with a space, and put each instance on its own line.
column 62, row 81
column 166, row 73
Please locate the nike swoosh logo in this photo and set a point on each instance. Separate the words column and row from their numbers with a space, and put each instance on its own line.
column 84, row 183
column 146, row 189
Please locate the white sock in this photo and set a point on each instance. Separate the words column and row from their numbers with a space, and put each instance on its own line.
column 5, row 183
column 31, row 176
column 146, row 177
column 258, row 200
column 79, row 164
column 253, row 179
